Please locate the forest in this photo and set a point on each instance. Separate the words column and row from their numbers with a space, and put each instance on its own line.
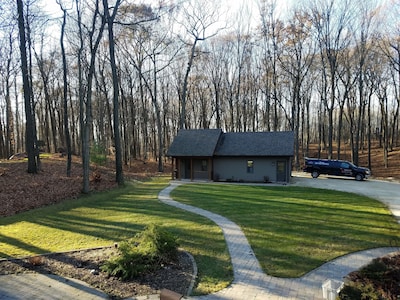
column 121, row 77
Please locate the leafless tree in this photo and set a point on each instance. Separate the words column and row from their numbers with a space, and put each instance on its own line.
column 29, row 116
column 65, row 91
column 109, row 18
column 331, row 21
column 200, row 20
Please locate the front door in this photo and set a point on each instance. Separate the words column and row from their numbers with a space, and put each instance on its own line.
column 281, row 174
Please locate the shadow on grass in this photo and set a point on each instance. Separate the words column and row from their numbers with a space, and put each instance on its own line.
column 20, row 244
column 293, row 230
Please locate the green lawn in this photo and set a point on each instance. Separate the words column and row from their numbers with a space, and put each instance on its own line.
column 293, row 230
column 104, row 218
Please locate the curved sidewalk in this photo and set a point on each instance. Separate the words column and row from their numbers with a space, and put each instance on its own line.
column 250, row 282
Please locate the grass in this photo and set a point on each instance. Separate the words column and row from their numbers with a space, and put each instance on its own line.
column 293, row 230
column 104, row 218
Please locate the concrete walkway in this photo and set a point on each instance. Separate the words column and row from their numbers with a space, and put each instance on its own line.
column 42, row 287
column 250, row 282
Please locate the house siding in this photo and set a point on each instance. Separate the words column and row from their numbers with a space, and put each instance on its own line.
column 235, row 169
column 210, row 154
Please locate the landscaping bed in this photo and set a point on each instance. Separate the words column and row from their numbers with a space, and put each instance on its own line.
column 378, row 280
column 85, row 265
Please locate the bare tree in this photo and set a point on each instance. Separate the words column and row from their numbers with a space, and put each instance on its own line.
column 65, row 91
column 330, row 19
column 95, row 35
column 297, row 60
column 117, row 136
column 270, row 30
column 199, row 20
column 30, row 137
column 362, row 36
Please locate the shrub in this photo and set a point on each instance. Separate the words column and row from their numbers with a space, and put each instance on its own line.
column 98, row 154
column 146, row 252
column 361, row 287
column 359, row 291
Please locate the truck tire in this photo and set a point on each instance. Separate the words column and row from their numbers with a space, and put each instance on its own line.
column 315, row 174
column 359, row 177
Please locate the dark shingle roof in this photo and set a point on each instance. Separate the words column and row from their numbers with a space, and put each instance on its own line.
column 212, row 142
column 256, row 144
column 200, row 142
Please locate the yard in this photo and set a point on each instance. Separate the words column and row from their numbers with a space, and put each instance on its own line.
column 101, row 219
column 291, row 229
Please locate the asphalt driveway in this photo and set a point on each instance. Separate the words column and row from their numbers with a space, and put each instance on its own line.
column 386, row 192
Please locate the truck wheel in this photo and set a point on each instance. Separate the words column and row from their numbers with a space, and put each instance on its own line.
column 359, row 177
column 315, row 174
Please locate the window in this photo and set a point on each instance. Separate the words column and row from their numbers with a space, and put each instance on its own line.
column 344, row 165
column 204, row 165
column 250, row 166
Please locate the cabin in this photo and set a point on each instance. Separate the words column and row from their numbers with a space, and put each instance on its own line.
column 213, row 155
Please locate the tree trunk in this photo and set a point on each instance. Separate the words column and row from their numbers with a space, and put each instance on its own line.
column 65, row 97
column 30, row 130
column 182, row 122
column 117, row 136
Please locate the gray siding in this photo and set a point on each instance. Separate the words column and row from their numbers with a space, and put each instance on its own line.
column 235, row 169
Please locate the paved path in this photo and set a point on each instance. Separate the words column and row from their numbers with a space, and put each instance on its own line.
column 38, row 286
column 250, row 282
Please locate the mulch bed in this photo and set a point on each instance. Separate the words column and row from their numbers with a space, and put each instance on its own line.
column 85, row 265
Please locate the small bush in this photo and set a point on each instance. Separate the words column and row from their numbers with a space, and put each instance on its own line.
column 359, row 291
column 146, row 252
column 98, row 154
column 375, row 270
column 361, row 286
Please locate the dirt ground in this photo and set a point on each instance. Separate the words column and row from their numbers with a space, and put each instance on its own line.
column 20, row 191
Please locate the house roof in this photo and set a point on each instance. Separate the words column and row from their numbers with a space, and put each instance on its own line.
column 256, row 144
column 197, row 142
column 213, row 142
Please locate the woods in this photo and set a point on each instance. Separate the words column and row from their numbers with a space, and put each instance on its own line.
column 121, row 77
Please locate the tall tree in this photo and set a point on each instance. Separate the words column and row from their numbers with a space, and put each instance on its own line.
column 65, row 91
column 117, row 136
column 30, row 135
column 199, row 21
column 95, row 35
column 297, row 60
column 330, row 19
column 270, row 30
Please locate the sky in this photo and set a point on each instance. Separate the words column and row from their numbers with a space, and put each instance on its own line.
column 233, row 6
column 230, row 10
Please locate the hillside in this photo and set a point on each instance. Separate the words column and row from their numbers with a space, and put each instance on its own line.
column 21, row 191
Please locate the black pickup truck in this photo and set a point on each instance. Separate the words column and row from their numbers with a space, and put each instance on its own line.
column 317, row 166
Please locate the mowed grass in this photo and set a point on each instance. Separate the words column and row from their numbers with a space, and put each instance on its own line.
column 293, row 230
column 104, row 218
